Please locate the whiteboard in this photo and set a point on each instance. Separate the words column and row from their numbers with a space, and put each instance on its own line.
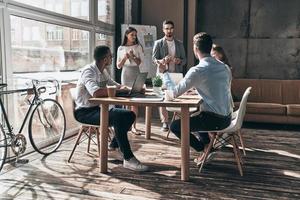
column 146, row 36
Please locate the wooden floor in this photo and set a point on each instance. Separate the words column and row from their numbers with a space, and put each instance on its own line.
column 271, row 171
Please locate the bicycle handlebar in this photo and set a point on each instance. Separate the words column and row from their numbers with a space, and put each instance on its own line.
column 40, row 90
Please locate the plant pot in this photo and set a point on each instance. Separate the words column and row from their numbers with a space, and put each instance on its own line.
column 157, row 90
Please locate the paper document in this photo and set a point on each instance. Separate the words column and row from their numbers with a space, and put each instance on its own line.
column 147, row 98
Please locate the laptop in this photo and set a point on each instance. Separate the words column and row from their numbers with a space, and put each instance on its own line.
column 175, row 77
column 136, row 89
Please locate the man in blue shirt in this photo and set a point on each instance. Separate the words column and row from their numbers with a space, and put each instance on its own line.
column 212, row 80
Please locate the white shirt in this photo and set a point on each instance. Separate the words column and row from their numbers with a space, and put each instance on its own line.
column 137, row 51
column 91, row 79
column 171, row 51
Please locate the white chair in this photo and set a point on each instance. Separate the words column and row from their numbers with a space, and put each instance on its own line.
column 89, row 130
column 233, row 129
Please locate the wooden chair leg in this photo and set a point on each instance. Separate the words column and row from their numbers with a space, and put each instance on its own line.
column 238, row 150
column 98, row 145
column 207, row 151
column 235, row 149
column 89, row 139
column 77, row 142
column 173, row 118
column 242, row 141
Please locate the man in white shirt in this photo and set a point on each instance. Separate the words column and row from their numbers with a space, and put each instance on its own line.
column 92, row 83
column 169, row 52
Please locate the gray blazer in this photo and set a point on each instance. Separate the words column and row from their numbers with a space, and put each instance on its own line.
column 160, row 50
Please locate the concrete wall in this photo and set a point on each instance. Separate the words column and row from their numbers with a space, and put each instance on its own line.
column 261, row 37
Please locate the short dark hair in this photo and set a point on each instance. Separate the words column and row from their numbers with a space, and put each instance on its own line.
column 100, row 52
column 167, row 21
column 203, row 42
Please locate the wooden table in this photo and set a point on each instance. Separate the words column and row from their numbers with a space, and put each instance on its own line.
column 184, row 102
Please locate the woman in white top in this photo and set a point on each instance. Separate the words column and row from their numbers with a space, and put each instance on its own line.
column 129, row 57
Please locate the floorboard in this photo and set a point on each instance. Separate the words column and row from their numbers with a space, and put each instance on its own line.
column 271, row 171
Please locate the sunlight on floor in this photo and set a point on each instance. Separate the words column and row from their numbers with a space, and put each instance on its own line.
column 291, row 173
column 279, row 152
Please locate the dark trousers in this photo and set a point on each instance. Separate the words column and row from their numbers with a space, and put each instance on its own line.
column 205, row 121
column 120, row 119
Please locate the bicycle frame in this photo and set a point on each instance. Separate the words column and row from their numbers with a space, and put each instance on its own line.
column 35, row 100
column 6, row 120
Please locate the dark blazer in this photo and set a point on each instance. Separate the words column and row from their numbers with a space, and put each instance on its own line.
column 160, row 50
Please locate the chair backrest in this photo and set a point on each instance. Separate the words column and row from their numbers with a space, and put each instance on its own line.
column 242, row 109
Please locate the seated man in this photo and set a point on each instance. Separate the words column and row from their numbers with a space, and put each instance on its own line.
column 211, row 79
column 92, row 83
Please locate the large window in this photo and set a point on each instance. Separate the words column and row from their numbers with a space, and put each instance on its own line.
column 73, row 8
column 41, row 47
column 50, row 39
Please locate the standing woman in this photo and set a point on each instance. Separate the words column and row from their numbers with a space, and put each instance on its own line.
column 129, row 57
column 218, row 53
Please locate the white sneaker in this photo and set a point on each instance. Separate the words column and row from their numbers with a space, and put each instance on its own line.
column 135, row 165
column 210, row 156
column 116, row 154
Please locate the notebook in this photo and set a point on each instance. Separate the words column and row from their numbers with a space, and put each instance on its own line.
column 136, row 89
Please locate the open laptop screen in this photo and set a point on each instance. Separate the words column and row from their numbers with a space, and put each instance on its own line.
column 139, row 82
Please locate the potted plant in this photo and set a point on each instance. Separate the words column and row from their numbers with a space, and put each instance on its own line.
column 157, row 83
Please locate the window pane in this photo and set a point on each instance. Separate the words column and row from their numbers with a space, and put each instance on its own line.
column 102, row 39
column 43, row 47
column 108, row 40
column 74, row 8
column 106, row 11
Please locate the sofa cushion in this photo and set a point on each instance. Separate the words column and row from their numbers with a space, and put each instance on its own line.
column 291, row 91
column 264, row 108
column 271, row 91
column 240, row 85
column 293, row 109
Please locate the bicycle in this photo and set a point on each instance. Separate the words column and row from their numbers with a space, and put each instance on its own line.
column 47, row 123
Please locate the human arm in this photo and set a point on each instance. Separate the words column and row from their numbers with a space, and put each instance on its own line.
column 122, row 57
column 184, row 85
column 134, row 57
column 89, row 80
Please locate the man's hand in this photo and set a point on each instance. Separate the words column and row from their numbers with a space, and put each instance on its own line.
column 123, row 87
column 162, row 67
column 167, row 59
column 177, row 61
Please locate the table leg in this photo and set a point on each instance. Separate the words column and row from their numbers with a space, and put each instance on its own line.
column 185, row 143
column 104, row 136
column 148, row 122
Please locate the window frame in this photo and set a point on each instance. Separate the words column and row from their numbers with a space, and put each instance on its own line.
column 93, row 25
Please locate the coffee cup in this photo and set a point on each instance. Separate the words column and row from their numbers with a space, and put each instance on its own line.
column 111, row 91
column 169, row 96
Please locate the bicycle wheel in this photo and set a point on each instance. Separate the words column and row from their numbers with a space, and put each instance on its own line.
column 3, row 148
column 47, row 126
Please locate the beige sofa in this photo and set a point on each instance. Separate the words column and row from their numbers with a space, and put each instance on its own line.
column 273, row 101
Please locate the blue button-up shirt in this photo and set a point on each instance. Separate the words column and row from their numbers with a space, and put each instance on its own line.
column 212, row 80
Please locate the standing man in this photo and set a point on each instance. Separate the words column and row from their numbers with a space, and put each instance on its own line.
column 92, row 83
column 212, row 80
column 169, row 52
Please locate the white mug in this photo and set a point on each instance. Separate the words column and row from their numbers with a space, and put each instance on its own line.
column 169, row 96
